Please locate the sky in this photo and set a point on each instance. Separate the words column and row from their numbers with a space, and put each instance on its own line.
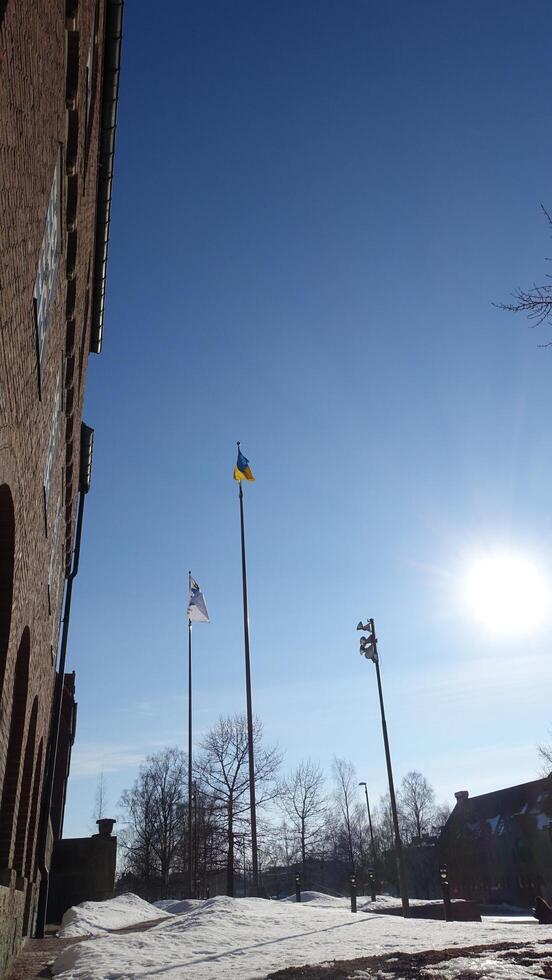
column 316, row 204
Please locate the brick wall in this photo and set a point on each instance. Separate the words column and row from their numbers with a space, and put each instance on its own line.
column 50, row 78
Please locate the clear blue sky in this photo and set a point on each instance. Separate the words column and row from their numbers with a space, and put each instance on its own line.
column 316, row 204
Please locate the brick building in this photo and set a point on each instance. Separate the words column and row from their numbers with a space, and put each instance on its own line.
column 498, row 846
column 59, row 70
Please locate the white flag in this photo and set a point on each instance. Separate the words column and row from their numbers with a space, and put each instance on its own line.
column 197, row 610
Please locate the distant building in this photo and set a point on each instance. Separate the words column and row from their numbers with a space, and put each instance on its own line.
column 498, row 846
column 59, row 70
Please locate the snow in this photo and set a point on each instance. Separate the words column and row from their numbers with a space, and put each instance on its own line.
column 486, row 968
column 321, row 900
column 364, row 903
column 247, row 938
column 176, row 906
column 96, row 918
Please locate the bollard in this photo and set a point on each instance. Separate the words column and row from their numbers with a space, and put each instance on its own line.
column 353, row 893
column 372, row 880
column 445, row 886
column 298, row 888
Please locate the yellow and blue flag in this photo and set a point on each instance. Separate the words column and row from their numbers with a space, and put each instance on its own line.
column 242, row 470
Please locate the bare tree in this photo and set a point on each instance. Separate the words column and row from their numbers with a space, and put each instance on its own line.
column 440, row 817
column 536, row 301
column 153, row 829
column 346, row 788
column 417, row 803
column 384, row 830
column 100, row 797
column 301, row 796
column 545, row 757
column 223, row 769
column 282, row 846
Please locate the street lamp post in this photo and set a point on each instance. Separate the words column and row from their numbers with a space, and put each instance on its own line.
column 373, row 846
column 369, row 649
column 370, row 823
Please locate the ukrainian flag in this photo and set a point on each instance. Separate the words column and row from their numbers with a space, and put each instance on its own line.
column 242, row 470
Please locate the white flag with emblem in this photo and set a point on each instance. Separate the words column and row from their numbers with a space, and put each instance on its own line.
column 197, row 610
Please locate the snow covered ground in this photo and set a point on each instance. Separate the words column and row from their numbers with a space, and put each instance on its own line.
column 490, row 967
column 96, row 918
column 245, row 939
column 364, row 902
column 176, row 906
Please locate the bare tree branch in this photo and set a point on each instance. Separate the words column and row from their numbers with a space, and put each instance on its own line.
column 535, row 302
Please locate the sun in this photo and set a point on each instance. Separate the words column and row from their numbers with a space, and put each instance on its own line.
column 507, row 593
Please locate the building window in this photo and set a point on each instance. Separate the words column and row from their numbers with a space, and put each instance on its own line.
column 25, row 793
column 15, row 745
column 52, row 448
column 84, row 326
column 48, row 261
column 91, row 81
column 7, row 558
column 89, row 61
column 54, row 565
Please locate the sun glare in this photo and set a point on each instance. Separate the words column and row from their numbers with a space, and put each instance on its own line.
column 507, row 594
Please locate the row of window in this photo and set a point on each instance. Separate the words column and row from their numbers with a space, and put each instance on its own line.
column 50, row 249
column 47, row 270
column 19, row 800
column 49, row 259
column 22, row 761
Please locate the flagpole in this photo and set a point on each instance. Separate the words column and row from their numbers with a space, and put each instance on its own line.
column 254, row 860
column 190, row 895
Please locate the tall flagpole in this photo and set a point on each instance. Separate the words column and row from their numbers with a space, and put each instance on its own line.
column 190, row 891
column 254, row 860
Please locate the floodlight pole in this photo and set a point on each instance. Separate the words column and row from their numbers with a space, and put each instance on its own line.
column 371, row 629
column 190, row 878
column 250, row 741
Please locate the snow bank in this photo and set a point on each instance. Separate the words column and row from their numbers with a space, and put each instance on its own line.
column 364, row 902
column 96, row 918
column 247, row 938
column 177, row 906
column 321, row 900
